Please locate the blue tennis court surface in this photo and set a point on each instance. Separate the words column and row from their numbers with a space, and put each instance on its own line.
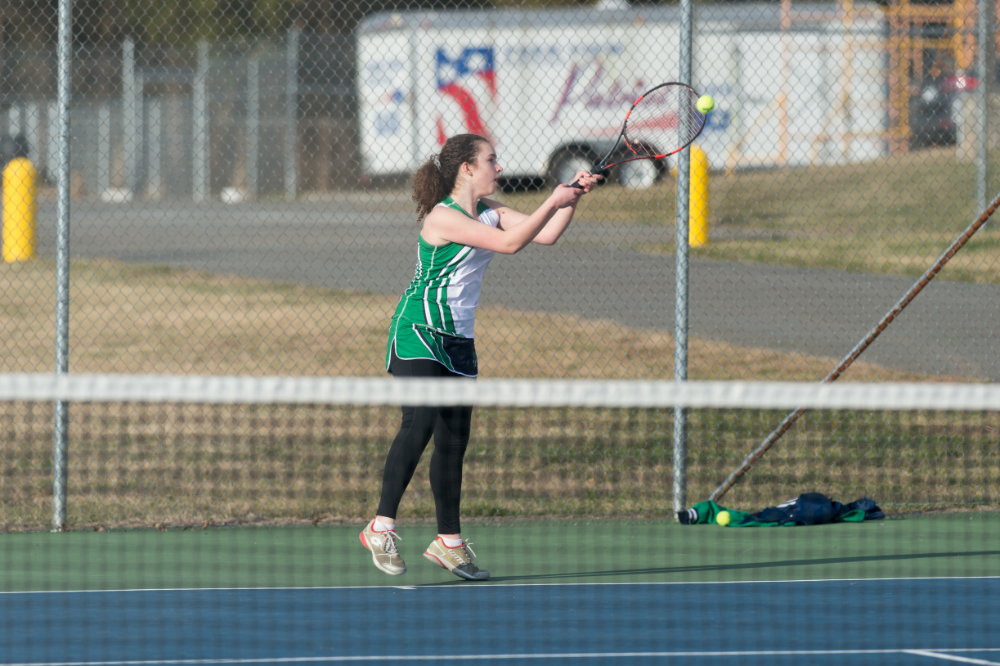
column 877, row 621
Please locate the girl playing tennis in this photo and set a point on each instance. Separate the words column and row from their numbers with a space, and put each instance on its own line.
column 432, row 333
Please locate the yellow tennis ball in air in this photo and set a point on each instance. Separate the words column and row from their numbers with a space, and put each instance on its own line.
column 705, row 104
column 723, row 518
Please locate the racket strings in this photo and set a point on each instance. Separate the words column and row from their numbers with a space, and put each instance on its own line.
column 664, row 120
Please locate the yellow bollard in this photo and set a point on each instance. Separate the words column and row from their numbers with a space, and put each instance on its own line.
column 698, row 217
column 19, row 186
column 698, row 198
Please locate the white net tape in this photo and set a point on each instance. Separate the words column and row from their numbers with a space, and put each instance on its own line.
column 498, row 392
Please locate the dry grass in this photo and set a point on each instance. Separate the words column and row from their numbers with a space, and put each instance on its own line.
column 190, row 464
column 139, row 319
column 171, row 465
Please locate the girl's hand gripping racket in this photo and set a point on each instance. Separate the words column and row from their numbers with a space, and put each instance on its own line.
column 660, row 123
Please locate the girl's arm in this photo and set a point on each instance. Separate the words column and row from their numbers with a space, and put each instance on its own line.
column 444, row 225
column 557, row 224
column 550, row 233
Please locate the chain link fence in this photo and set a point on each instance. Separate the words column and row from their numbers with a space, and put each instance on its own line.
column 239, row 197
column 278, row 161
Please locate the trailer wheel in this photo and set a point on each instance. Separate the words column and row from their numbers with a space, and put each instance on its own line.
column 640, row 174
column 565, row 163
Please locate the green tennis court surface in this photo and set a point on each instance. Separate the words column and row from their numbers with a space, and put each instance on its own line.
column 599, row 551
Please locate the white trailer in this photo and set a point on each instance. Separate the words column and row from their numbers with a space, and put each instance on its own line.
column 551, row 88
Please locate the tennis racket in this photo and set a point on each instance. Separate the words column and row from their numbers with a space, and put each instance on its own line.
column 663, row 121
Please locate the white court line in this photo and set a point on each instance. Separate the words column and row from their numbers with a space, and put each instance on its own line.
column 454, row 586
column 508, row 657
column 950, row 657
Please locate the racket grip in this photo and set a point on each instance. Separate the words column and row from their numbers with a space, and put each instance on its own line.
column 600, row 173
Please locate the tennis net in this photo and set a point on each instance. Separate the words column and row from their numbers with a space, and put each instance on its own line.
column 182, row 451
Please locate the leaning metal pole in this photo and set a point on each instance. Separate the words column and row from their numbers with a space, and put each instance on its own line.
column 859, row 348
column 59, row 453
column 682, row 270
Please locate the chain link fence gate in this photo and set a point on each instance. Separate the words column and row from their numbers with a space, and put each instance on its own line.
column 239, row 196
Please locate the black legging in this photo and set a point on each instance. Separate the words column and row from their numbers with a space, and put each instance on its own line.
column 450, row 427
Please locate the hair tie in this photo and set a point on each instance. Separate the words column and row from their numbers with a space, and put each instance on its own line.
column 437, row 162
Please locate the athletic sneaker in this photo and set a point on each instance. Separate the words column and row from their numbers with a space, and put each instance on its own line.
column 383, row 547
column 455, row 560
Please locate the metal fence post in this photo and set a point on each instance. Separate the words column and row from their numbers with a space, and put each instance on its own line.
column 14, row 120
column 131, row 115
column 253, row 123
column 291, row 113
column 200, row 158
column 985, row 25
column 33, row 132
column 681, row 286
column 60, row 426
column 154, row 179
column 103, row 149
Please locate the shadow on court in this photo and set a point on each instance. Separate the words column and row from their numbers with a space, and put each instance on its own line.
column 673, row 571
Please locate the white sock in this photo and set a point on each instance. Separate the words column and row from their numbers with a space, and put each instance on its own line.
column 382, row 527
column 451, row 543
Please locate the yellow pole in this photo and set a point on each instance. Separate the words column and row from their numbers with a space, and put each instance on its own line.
column 964, row 40
column 698, row 199
column 698, row 207
column 19, row 185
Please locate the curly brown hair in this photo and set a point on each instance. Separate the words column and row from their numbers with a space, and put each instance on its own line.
column 435, row 179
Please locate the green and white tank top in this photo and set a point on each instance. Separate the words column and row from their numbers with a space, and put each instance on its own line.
column 441, row 299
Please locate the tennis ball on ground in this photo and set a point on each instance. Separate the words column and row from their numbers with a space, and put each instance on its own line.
column 723, row 518
column 705, row 104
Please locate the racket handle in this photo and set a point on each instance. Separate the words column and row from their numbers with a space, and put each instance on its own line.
column 600, row 173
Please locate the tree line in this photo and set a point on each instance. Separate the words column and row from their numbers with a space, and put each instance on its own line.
column 34, row 22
